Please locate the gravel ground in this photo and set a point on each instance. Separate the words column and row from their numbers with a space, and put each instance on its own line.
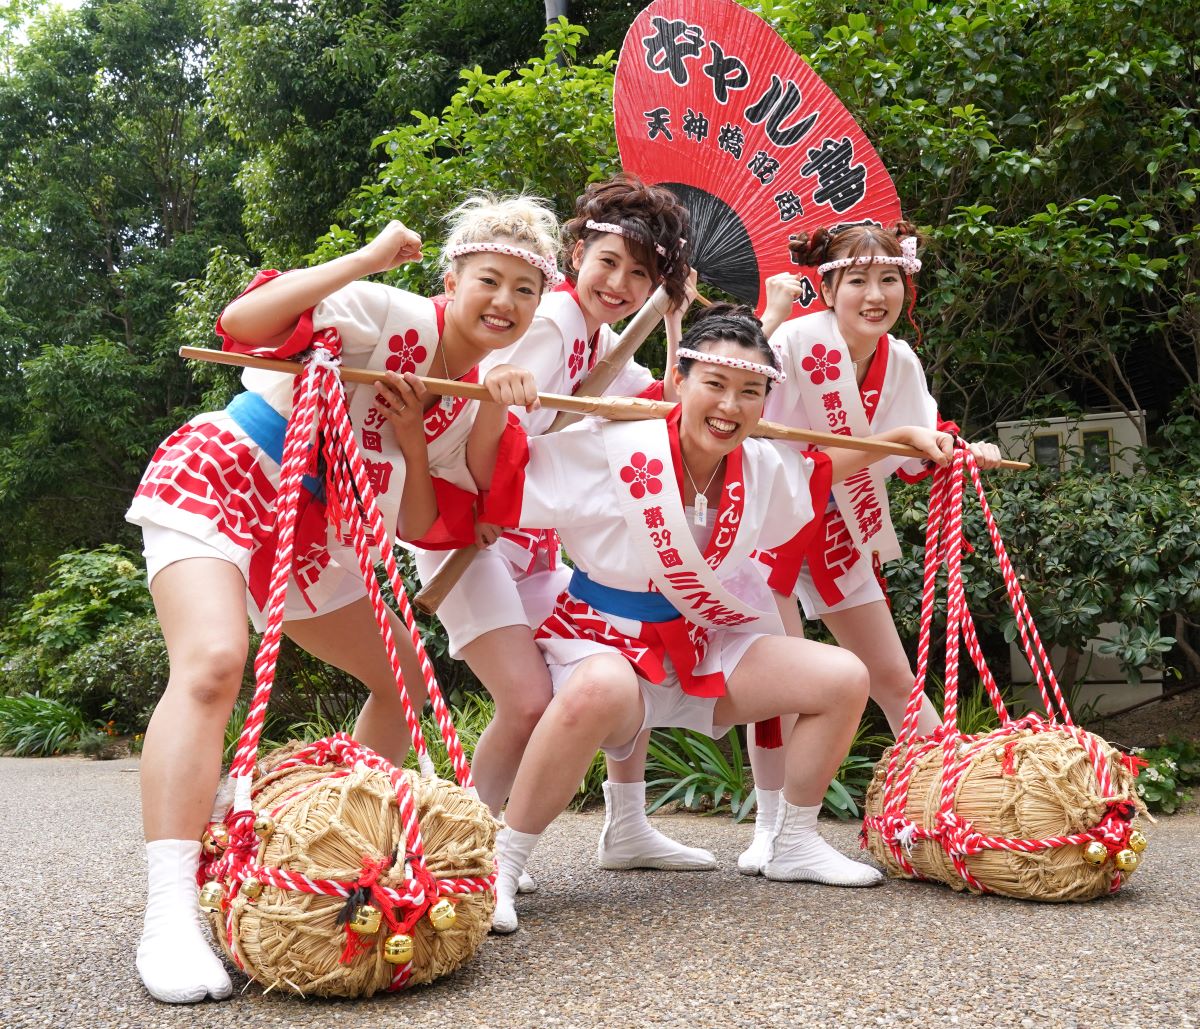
column 723, row 950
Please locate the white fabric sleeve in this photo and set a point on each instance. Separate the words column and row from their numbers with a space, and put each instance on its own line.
column 787, row 477
column 542, row 353
column 567, row 479
column 359, row 312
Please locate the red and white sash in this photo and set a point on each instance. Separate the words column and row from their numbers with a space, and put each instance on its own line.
column 647, row 466
column 832, row 401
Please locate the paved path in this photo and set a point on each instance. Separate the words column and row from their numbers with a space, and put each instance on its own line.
column 723, row 950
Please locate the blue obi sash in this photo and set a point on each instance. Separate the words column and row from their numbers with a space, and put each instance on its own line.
column 641, row 607
column 267, row 427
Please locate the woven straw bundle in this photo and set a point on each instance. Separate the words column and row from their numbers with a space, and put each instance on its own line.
column 327, row 819
column 1027, row 785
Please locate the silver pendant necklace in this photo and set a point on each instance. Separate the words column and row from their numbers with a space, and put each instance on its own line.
column 701, row 516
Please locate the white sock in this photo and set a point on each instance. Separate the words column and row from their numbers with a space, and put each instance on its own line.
column 755, row 857
column 628, row 840
column 799, row 854
column 174, row 958
column 527, row 883
column 512, row 852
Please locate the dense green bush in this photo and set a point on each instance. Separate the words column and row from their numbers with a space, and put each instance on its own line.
column 1090, row 548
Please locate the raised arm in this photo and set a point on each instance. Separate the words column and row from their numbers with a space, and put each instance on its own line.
column 267, row 316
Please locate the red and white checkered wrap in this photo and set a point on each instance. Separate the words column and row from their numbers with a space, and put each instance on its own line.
column 319, row 404
column 944, row 543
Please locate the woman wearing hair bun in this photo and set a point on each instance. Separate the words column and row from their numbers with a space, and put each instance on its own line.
column 625, row 239
column 847, row 373
column 205, row 505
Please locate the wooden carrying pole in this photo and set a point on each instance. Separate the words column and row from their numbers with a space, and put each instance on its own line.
column 613, row 408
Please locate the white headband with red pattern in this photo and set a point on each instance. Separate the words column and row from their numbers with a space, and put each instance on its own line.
column 620, row 230
column 907, row 259
column 546, row 265
column 774, row 374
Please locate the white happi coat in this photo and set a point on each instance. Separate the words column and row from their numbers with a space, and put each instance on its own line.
column 556, row 350
column 894, row 393
column 570, row 485
column 213, row 482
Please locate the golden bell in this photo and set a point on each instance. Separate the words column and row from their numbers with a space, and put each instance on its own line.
column 215, row 839
column 211, row 895
column 1138, row 841
column 366, row 920
column 264, row 825
column 252, row 889
column 1127, row 861
column 442, row 915
column 398, row 949
column 1095, row 853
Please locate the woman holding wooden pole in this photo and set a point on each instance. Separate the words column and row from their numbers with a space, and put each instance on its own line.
column 683, row 503
column 849, row 374
column 625, row 240
column 206, row 504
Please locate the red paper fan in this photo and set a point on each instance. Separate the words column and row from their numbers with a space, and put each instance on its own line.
column 712, row 104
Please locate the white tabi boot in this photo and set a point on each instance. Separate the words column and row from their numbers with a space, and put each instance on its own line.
column 512, row 852
column 799, row 854
column 174, row 958
column 754, row 858
column 628, row 840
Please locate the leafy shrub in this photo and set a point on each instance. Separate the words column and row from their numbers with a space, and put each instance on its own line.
column 1169, row 769
column 1089, row 548
column 121, row 674
column 90, row 591
column 699, row 772
column 35, row 726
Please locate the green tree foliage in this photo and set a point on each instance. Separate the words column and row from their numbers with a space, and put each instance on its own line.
column 306, row 88
column 1051, row 148
column 115, row 186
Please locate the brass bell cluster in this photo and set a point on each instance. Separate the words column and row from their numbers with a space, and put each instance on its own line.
column 1126, row 860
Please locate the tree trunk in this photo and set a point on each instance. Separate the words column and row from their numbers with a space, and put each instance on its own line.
column 556, row 9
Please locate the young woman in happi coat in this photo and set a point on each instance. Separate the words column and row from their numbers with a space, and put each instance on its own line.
column 206, row 508
column 667, row 620
column 848, row 374
column 625, row 239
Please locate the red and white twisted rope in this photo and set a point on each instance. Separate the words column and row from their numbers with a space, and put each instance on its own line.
column 348, row 482
column 944, row 542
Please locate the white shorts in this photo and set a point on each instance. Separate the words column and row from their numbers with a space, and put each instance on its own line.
column 494, row 593
column 162, row 547
column 809, row 596
column 666, row 705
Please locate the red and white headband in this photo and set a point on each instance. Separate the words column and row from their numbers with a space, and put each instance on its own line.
column 907, row 259
column 546, row 265
column 620, row 230
column 774, row 374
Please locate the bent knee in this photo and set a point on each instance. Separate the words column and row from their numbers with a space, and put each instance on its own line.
column 853, row 678
column 598, row 693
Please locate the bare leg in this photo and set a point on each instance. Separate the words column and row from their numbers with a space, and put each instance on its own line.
column 628, row 840
column 201, row 607
column 869, row 633
column 511, row 667
column 828, row 696
column 768, row 764
column 600, row 704
column 349, row 638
